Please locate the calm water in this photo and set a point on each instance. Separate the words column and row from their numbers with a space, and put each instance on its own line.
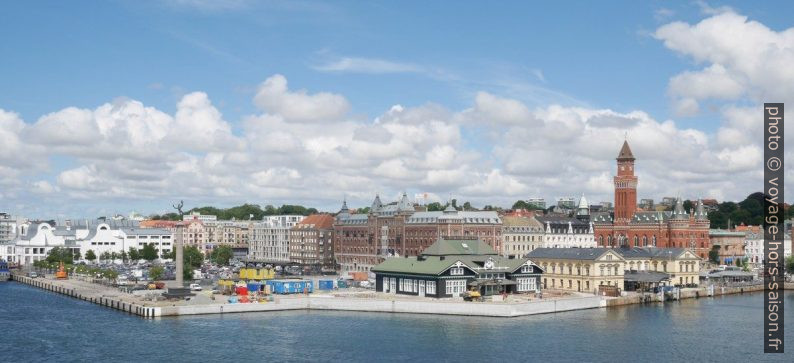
column 40, row 326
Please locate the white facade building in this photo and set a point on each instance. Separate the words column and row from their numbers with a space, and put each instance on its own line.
column 199, row 216
column 269, row 239
column 754, row 247
column 35, row 240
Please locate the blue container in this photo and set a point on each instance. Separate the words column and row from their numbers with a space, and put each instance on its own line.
column 254, row 286
column 290, row 286
column 326, row 285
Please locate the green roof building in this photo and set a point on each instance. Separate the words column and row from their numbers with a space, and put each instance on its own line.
column 451, row 266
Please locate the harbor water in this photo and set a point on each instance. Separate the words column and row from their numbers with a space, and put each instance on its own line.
column 40, row 325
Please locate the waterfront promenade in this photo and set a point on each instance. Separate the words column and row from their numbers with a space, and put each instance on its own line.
column 139, row 305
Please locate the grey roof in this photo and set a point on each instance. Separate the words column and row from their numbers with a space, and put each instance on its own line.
column 649, row 252
column 376, row 204
column 728, row 273
column 568, row 253
column 353, row 219
column 146, row 231
column 466, row 217
column 678, row 211
column 645, row 276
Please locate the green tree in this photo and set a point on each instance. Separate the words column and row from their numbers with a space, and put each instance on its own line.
column 467, row 206
column 688, row 205
column 104, row 256
column 124, row 257
column 521, row 204
column 60, row 254
column 221, row 255
column 149, row 253
column 435, row 207
column 790, row 264
column 114, row 256
column 134, row 254
column 165, row 255
column 192, row 257
column 77, row 256
column 156, row 272
column 90, row 255
column 714, row 255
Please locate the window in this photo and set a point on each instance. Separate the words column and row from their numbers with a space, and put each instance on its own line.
column 456, row 271
column 525, row 269
column 431, row 288
column 455, row 287
column 526, row 284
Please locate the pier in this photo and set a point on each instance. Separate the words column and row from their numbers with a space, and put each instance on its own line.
column 131, row 304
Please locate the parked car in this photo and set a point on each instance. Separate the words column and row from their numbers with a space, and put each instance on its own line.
column 195, row 287
column 33, row 274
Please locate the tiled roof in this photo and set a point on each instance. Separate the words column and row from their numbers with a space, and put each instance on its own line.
column 318, row 221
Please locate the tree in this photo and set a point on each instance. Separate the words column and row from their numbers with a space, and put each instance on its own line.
column 156, row 272
column 124, row 257
column 521, row 204
column 467, row 206
column 165, row 255
column 790, row 264
column 688, row 205
column 114, row 256
column 221, row 255
column 77, row 256
column 435, row 207
column 134, row 254
column 104, row 256
column 714, row 255
column 192, row 257
column 149, row 253
column 90, row 255
column 60, row 254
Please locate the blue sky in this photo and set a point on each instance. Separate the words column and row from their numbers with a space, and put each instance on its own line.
column 591, row 55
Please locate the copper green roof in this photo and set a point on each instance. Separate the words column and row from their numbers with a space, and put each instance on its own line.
column 446, row 247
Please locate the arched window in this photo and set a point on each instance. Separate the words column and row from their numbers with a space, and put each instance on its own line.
column 636, row 241
column 644, row 241
column 653, row 240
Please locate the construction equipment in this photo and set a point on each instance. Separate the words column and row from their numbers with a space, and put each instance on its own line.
column 61, row 273
column 472, row 295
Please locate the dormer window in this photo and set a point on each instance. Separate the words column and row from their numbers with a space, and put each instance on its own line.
column 456, row 271
column 525, row 269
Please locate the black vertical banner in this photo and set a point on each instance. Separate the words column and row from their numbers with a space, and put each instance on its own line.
column 774, row 265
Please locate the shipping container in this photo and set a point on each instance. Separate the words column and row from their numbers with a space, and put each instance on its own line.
column 325, row 284
column 290, row 286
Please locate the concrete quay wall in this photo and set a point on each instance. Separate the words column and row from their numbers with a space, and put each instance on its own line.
column 92, row 297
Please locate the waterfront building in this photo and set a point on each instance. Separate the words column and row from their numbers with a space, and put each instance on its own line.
column 730, row 274
column 520, row 235
column 202, row 217
column 451, row 266
column 9, row 227
column 362, row 241
column 269, row 239
column 579, row 269
column 311, row 242
column 678, row 266
column 627, row 227
column 729, row 245
column 585, row 269
column 754, row 245
column 100, row 236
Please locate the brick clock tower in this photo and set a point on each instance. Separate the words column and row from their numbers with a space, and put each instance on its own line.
column 625, row 186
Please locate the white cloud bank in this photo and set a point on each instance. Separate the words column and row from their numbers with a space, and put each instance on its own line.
column 303, row 147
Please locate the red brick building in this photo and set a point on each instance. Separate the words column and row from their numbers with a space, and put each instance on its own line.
column 362, row 241
column 627, row 227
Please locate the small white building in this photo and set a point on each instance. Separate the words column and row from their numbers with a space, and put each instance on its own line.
column 199, row 216
column 754, row 247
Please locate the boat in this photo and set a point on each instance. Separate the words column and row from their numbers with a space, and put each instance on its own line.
column 5, row 275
